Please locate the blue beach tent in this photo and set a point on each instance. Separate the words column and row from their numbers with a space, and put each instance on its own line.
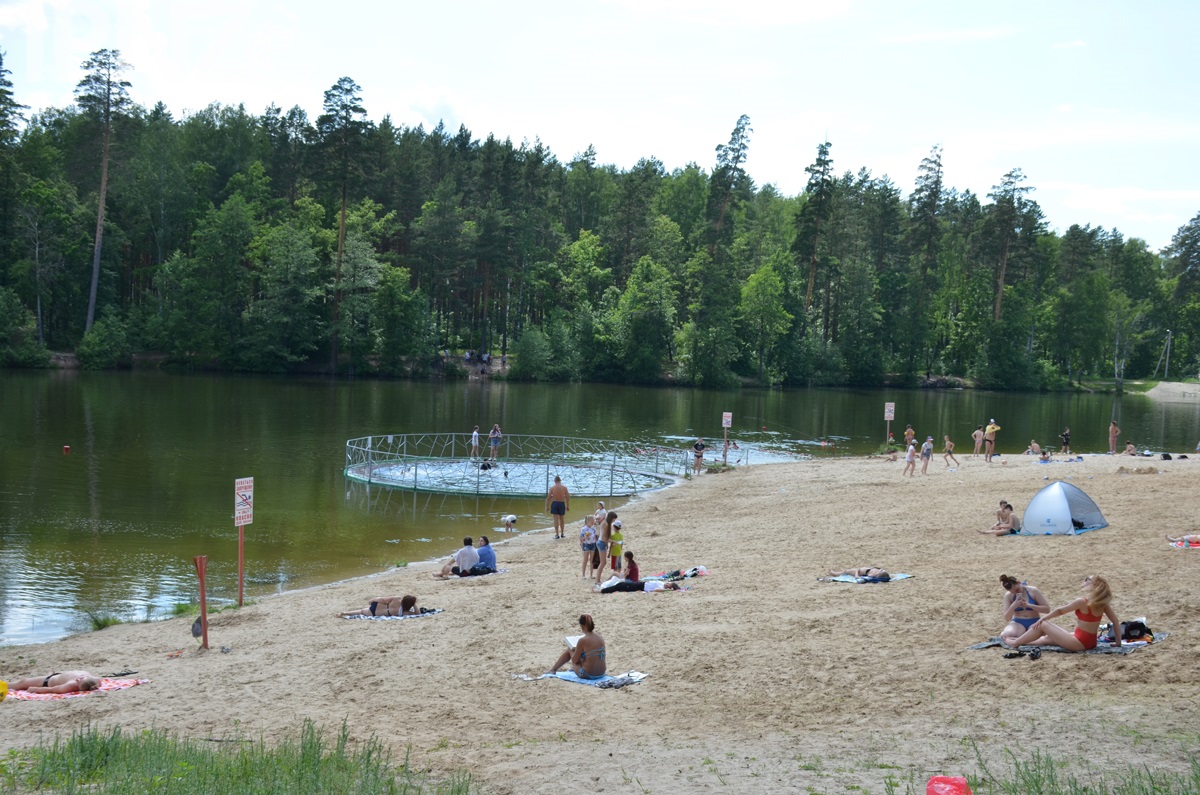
column 1061, row 509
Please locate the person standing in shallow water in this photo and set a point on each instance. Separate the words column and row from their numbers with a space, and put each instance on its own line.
column 1066, row 440
column 1113, row 433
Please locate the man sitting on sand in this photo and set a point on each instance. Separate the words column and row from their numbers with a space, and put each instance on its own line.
column 463, row 561
column 62, row 682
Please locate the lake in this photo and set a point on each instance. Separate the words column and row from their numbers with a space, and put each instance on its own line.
column 112, row 526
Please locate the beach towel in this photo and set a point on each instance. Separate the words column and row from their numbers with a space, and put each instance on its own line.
column 606, row 681
column 426, row 614
column 861, row 580
column 1184, row 545
column 106, row 685
column 453, row 577
column 1103, row 647
column 678, row 574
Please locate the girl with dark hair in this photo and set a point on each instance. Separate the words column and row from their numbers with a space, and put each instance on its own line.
column 386, row 606
column 587, row 656
column 1023, row 606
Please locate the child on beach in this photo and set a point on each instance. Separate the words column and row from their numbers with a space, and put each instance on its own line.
column 948, row 452
column 587, row 542
column 616, row 546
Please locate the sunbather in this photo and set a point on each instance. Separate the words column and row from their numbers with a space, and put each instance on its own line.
column 872, row 573
column 1089, row 609
column 1007, row 522
column 1023, row 605
column 587, row 658
column 1192, row 538
column 62, row 682
column 386, row 606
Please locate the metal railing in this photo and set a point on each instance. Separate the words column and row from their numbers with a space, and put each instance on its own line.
column 523, row 465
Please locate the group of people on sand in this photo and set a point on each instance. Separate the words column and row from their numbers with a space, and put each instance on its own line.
column 470, row 561
column 1027, row 615
column 1008, row 523
column 926, row 452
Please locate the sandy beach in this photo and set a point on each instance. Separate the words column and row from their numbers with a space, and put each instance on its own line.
column 762, row 678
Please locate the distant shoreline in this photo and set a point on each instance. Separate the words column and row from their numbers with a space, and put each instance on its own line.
column 1175, row 391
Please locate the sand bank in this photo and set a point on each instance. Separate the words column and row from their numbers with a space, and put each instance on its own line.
column 762, row 678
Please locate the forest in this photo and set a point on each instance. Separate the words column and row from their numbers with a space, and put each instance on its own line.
column 273, row 243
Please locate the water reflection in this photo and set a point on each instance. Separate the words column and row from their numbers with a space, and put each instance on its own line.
column 113, row 526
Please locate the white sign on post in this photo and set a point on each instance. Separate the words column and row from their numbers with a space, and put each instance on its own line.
column 727, row 419
column 889, row 411
column 243, row 502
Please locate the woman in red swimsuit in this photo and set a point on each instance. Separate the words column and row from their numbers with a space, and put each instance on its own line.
column 1089, row 609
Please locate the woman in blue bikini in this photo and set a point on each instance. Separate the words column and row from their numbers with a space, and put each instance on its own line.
column 1023, row 606
column 587, row 657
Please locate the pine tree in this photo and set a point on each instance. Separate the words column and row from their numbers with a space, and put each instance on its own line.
column 103, row 94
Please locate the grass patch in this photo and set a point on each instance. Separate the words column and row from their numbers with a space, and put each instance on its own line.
column 184, row 609
column 116, row 763
column 1040, row 774
column 100, row 620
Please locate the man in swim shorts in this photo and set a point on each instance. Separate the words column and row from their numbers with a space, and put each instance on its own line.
column 558, row 502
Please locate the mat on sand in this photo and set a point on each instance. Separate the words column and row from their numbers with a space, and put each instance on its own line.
column 106, row 685
column 1128, row 647
column 455, row 577
column 397, row 618
column 861, row 580
column 607, row 681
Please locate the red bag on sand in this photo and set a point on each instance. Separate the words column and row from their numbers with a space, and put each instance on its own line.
column 947, row 785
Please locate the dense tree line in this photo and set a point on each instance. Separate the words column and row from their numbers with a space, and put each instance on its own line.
column 273, row 242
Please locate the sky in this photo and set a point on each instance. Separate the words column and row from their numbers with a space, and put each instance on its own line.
column 1095, row 102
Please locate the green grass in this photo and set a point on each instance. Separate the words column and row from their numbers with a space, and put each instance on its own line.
column 117, row 763
column 100, row 620
column 1042, row 775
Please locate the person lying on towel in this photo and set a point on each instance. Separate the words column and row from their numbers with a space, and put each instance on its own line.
column 62, row 682
column 1190, row 539
column 387, row 606
column 868, row 573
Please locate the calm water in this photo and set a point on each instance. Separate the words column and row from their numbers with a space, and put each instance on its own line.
column 113, row 526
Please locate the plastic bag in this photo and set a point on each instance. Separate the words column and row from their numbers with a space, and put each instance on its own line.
column 947, row 785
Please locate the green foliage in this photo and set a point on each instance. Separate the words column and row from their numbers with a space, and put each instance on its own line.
column 115, row 762
column 106, row 346
column 18, row 338
column 272, row 243
column 532, row 354
column 99, row 620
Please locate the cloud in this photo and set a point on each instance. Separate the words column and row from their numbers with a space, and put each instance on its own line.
column 24, row 16
column 746, row 13
column 949, row 36
column 1069, row 45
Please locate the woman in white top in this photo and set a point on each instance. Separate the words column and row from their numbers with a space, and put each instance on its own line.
column 601, row 513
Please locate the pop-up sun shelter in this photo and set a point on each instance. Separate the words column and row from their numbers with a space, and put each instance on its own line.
column 1061, row 509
